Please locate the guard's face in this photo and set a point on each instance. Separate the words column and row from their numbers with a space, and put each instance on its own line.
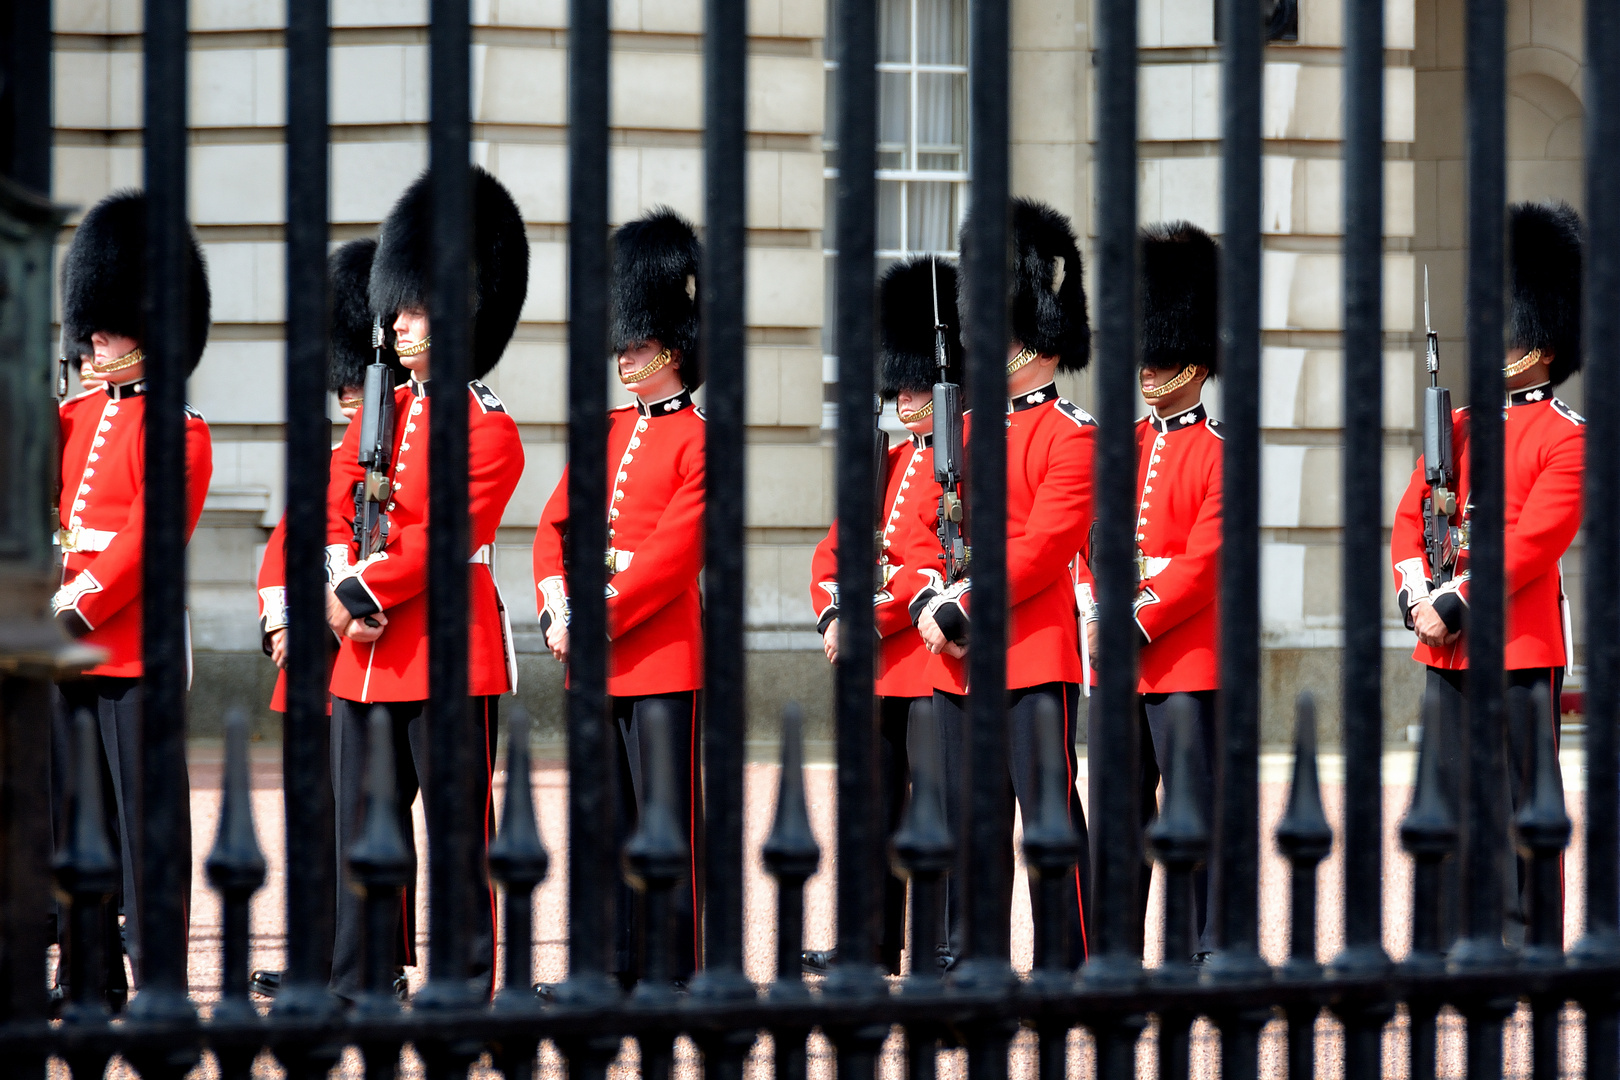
column 910, row 402
column 411, row 329
column 655, row 385
column 109, row 348
column 1151, row 378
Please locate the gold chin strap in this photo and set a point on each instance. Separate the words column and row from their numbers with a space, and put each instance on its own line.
column 1025, row 357
column 351, row 402
column 1187, row 375
column 415, row 350
column 657, row 364
column 921, row 414
column 1522, row 364
column 128, row 360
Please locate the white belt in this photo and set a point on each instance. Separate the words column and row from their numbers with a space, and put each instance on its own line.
column 79, row 538
column 485, row 555
column 618, row 561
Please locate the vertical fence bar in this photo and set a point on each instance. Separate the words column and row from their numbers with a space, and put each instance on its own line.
column 1113, row 742
column 1236, row 865
column 724, row 347
column 1601, row 556
column 592, row 860
column 986, row 891
column 452, row 853
column 858, row 835
column 164, row 802
column 1485, row 836
column 311, row 841
column 1362, row 475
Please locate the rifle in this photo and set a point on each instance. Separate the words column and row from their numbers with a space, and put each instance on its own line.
column 948, row 452
column 371, row 494
column 880, row 476
column 1439, row 466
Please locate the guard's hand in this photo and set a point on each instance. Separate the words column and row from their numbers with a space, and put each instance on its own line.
column 278, row 647
column 829, row 642
column 935, row 640
column 955, row 651
column 557, row 641
column 1091, row 641
column 359, row 630
column 1431, row 628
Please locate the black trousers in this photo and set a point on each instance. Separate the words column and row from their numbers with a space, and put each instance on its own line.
column 411, row 768
column 1514, row 787
column 116, row 705
column 899, row 719
column 634, row 751
column 1023, row 760
column 1155, row 726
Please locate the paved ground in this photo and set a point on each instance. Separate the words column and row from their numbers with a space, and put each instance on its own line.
column 551, row 918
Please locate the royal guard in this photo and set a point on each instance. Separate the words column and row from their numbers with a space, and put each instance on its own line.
column 655, row 463
column 378, row 606
column 913, row 299
column 1543, row 453
column 1178, row 523
column 1049, row 512
column 348, row 272
column 102, row 515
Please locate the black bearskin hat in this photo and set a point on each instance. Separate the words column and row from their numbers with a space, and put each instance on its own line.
column 400, row 275
column 655, row 282
column 1179, row 314
column 1544, row 250
column 906, row 325
column 104, row 277
column 348, row 274
column 74, row 349
column 1045, row 287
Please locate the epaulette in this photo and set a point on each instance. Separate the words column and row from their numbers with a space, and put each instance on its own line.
column 1568, row 413
column 195, row 415
column 1074, row 412
column 1214, row 426
column 487, row 401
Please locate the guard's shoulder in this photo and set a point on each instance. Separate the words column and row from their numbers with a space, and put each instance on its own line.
column 1081, row 418
column 1568, row 413
column 697, row 411
column 621, row 408
column 82, row 394
column 485, row 397
column 193, row 414
column 1214, row 427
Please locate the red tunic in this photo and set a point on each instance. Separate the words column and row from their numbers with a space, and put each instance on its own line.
column 394, row 581
column 903, row 659
column 103, row 510
column 1178, row 532
column 1543, row 453
column 655, row 534
column 1050, row 442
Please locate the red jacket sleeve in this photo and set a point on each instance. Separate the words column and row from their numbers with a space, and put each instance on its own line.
column 1550, row 518
column 272, row 582
column 1191, row 580
column 399, row 572
column 1406, row 551
column 1059, row 518
column 343, row 475
column 118, row 569
column 824, row 579
column 550, row 545
column 671, row 557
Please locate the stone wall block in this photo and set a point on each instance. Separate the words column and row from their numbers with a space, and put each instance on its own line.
column 799, row 387
column 1400, row 403
column 542, row 468
column 784, row 286
column 82, row 175
column 125, row 87
column 234, row 185
column 1321, row 22
column 537, row 177
column 763, row 586
column 1322, row 598
column 532, row 381
column 1400, row 24
column 785, row 94
column 1282, row 586
column 803, row 191
column 547, row 300
column 1399, row 461
column 224, row 86
column 1400, row 187
column 216, row 387
column 1400, row 278
column 656, row 90
column 368, row 176
column 789, row 486
column 764, row 398
column 1045, row 25
column 764, row 189
column 379, row 12
column 514, row 85
column 80, row 89
column 1039, row 113
column 1166, row 109
column 544, row 13
column 379, row 84
column 669, row 176
column 1181, row 189
column 79, row 17
column 238, row 14
column 247, row 281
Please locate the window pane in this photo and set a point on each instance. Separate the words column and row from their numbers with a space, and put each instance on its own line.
column 894, row 31
column 894, row 117
column 940, row 111
column 931, row 216
column 940, row 32
column 888, row 215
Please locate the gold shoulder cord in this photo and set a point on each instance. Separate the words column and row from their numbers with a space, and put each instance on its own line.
column 1187, row 375
column 128, row 360
column 652, row 368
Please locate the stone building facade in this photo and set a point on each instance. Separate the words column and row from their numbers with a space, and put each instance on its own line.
column 379, row 116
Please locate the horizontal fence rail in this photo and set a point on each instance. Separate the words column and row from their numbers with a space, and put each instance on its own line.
column 983, row 1003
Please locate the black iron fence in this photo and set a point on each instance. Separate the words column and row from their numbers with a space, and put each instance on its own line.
column 983, row 1003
